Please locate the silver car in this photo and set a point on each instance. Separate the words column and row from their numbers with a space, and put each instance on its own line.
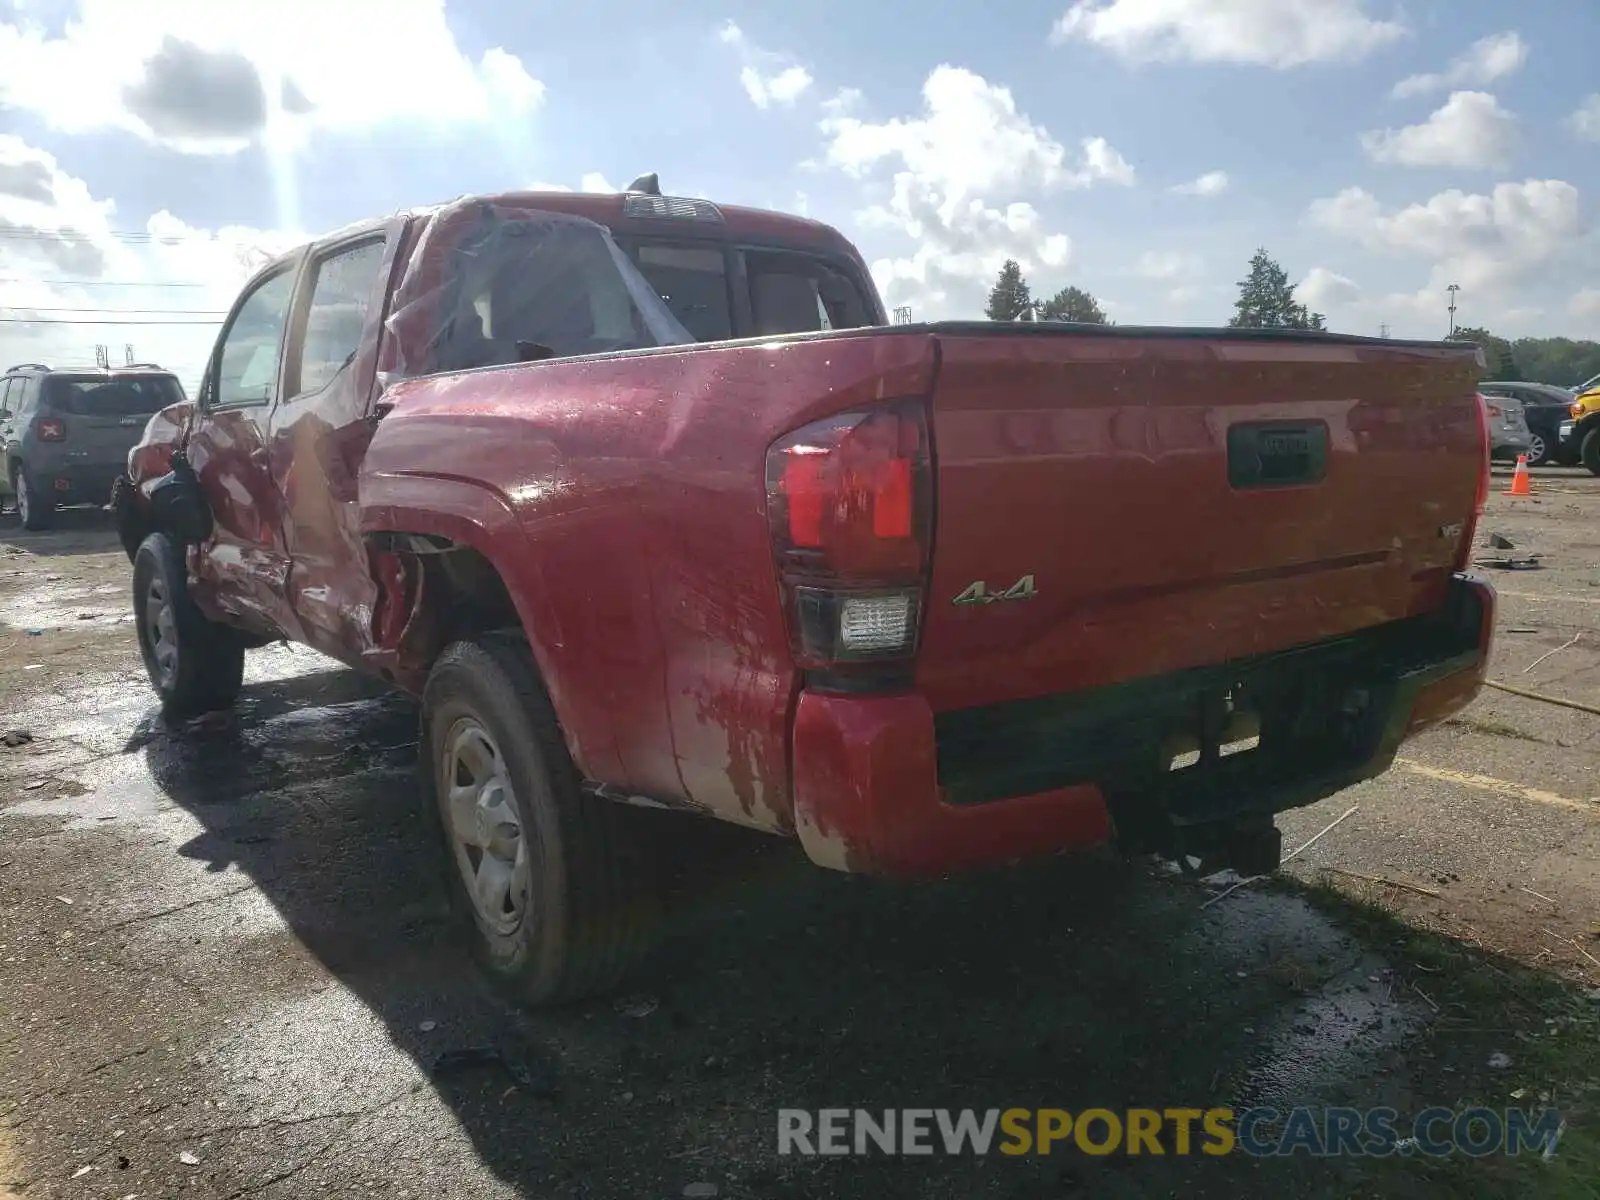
column 1508, row 427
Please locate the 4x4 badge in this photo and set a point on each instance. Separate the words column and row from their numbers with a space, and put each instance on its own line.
column 979, row 593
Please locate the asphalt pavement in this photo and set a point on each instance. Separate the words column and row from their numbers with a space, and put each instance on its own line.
column 227, row 968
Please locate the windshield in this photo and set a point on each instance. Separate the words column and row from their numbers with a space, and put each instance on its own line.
column 788, row 291
column 492, row 286
column 94, row 396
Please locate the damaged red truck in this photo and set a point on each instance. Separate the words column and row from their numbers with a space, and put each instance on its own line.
column 649, row 505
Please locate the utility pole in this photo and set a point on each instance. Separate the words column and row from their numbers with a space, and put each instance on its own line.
column 902, row 315
column 1383, row 330
column 127, row 352
column 1453, row 289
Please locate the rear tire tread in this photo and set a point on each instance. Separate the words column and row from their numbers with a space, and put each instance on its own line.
column 609, row 902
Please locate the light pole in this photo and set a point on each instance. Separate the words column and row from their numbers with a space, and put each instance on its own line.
column 1453, row 289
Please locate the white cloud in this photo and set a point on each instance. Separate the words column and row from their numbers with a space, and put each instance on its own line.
column 1486, row 60
column 1102, row 162
column 768, row 78
column 1212, row 183
column 1273, row 33
column 961, row 246
column 960, row 171
column 209, row 77
column 1469, row 130
column 970, row 138
column 1478, row 241
column 592, row 181
column 1159, row 264
column 844, row 101
column 1586, row 303
column 61, row 253
column 1585, row 120
column 1323, row 289
column 783, row 88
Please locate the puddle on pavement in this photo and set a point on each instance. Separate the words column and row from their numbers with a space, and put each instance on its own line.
column 1348, row 1021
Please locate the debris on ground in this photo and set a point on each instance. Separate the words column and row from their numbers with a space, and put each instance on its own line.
column 16, row 737
column 1499, row 1060
column 1513, row 562
column 188, row 1159
column 1572, row 641
column 1499, row 541
column 702, row 1191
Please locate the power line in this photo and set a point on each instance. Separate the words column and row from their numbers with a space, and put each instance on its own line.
column 104, row 282
column 90, row 308
column 135, row 237
column 100, row 321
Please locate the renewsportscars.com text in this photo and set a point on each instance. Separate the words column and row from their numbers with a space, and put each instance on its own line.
column 1258, row 1132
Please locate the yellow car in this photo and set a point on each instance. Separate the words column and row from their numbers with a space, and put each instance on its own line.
column 1580, row 436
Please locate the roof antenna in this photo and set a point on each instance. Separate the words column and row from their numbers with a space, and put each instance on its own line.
column 649, row 184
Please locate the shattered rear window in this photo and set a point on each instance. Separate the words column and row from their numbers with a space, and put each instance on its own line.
column 490, row 285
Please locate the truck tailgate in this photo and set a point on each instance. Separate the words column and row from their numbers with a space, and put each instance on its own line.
column 1119, row 505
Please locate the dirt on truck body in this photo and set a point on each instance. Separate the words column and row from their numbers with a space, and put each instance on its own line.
column 648, row 505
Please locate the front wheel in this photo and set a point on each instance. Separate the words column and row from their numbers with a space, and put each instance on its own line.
column 1590, row 451
column 33, row 509
column 194, row 664
column 559, row 897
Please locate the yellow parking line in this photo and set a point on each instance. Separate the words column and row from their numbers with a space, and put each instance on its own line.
column 1501, row 787
column 1559, row 599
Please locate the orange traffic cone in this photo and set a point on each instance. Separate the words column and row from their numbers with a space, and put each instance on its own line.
column 1519, row 481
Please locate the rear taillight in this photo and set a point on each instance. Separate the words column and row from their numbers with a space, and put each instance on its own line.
column 51, row 430
column 850, row 505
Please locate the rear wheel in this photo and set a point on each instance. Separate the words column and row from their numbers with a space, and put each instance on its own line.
column 560, row 896
column 194, row 664
column 1590, row 453
column 33, row 509
column 1538, row 451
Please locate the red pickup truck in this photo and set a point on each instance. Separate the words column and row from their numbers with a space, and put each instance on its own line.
column 649, row 505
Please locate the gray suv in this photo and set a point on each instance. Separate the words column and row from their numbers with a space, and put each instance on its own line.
column 66, row 434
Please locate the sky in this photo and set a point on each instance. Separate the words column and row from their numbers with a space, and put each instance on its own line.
column 153, row 153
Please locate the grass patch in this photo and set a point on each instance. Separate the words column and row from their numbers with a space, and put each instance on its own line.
column 1492, row 728
column 1550, row 1029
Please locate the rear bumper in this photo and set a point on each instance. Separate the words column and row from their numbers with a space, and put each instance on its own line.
column 75, row 483
column 883, row 785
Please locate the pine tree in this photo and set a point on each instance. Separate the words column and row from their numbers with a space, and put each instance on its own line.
column 1073, row 304
column 1009, row 297
column 1266, row 300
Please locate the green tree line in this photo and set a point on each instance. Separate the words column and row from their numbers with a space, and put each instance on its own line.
column 1266, row 301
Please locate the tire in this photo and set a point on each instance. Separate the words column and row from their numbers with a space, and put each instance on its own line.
column 195, row 665
column 572, row 902
column 1590, row 452
column 1538, row 451
column 35, row 511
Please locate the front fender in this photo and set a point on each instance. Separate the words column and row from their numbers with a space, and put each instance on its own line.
column 151, row 456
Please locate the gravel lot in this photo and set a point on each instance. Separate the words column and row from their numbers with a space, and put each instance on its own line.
column 227, row 969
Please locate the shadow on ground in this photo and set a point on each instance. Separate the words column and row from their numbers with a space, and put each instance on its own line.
column 1070, row 983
